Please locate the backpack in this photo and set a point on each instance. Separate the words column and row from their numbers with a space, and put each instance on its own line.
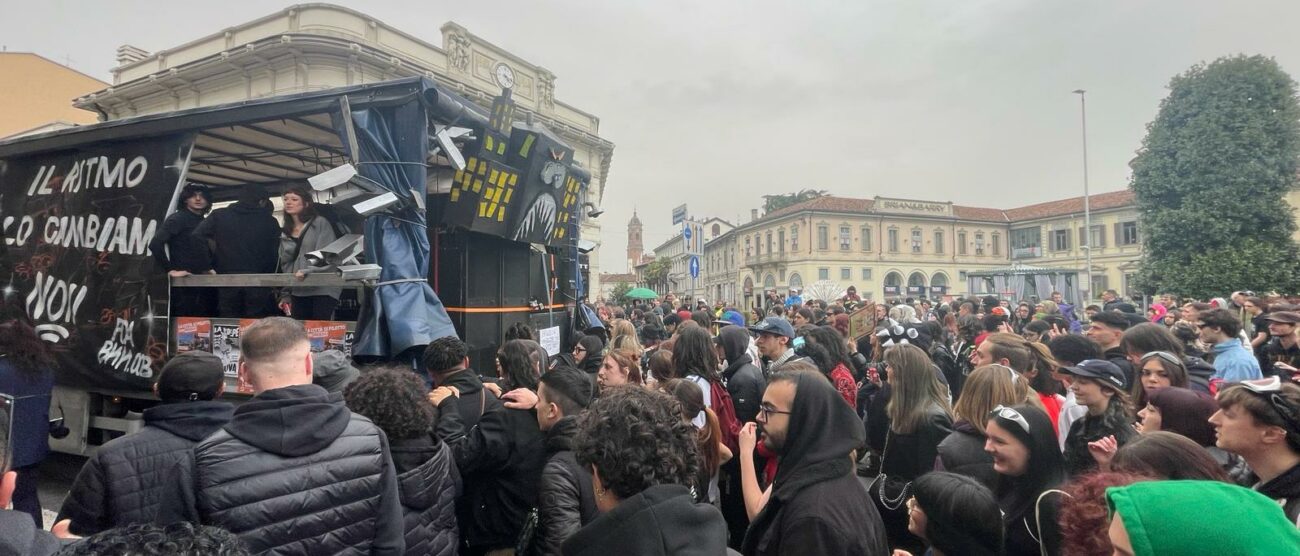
column 721, row 405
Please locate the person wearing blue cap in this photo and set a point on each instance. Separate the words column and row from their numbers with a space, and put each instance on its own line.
column 1100, row 386
column 774, row 337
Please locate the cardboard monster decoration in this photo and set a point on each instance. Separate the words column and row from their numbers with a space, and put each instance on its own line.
column 520, row 182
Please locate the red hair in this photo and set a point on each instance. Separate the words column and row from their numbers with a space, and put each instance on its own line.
column 1085, row 516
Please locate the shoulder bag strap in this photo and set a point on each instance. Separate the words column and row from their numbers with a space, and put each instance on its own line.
column 1038, row 518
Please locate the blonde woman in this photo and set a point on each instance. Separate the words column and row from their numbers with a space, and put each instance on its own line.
column 623, row 336
column 962, row 452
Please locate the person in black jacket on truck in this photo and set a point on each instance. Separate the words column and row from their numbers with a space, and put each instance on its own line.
column 244, row 238
column 181, row 253
column 123, row 482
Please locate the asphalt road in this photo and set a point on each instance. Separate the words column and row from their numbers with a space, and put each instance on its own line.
column 56, row 475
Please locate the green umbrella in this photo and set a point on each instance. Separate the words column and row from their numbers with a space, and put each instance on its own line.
column 641, row 293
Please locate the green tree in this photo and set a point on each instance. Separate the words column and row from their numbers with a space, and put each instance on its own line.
column 619, row 294
column 777, row 202
column 1211, row 177
column 656, row 273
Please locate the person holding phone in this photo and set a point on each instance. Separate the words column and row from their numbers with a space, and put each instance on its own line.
column 26, row 373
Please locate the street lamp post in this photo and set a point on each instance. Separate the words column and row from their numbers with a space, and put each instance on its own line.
column 1087, row 209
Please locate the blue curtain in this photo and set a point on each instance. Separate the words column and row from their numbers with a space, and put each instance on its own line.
column 403, row 312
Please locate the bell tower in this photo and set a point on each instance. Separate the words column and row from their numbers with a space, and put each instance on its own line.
column 634, row 245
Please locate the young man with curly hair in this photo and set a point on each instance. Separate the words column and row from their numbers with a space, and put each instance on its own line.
column 643, row 456
column 427, row 479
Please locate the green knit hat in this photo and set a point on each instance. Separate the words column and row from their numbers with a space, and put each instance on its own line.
column 1190, row 518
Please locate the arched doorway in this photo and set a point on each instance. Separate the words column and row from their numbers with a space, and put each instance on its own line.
column 796, row 281
column 916, row 284
column 938, row 285
column 893, row 284
column 769, row 282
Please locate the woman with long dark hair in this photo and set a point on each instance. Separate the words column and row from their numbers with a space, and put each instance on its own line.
column 1098, row 385
column 589, row 353
column 919, row 419
column 712, row 452
column 1167, row 456
column 27, row 374
column 516, row 367
column 955, row 515
column 1030, row 469
column 302, row 232
column 826, row 348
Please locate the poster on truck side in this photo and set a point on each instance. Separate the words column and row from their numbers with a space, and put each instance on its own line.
column 74, row 254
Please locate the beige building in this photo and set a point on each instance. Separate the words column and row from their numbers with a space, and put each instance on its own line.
column 894, row 248
column 36, row 94
column 310, row 47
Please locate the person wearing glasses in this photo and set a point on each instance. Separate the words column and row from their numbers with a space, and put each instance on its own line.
column 816, row 504
column 587, row 354
column 1219, row 329
column 1030, row 470
column 1260, row 421
column 1281, row 355
column 1092, row 441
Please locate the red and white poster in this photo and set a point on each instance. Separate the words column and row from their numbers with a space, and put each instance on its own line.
column 193, row 334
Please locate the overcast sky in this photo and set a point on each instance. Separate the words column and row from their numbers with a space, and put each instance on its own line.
column 717, row 103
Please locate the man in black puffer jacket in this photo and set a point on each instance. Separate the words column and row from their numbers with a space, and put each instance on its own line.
column 123, row 482
column 567, row 501
column 499, row 452
column 295, row 472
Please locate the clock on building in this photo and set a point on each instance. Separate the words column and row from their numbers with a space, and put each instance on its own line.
column 504, row 75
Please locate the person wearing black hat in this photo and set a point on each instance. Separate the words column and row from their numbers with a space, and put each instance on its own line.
column 123, row 482
column 179, row 252
column 244, row 239
column 773, row 340
column 816, row 505
column 1281, row 355
column 1107, row 329
column 1098, row 385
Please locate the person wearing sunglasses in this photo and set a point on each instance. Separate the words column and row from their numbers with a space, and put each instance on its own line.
column 1030, row 468
column 1220, row 329
column 1260, row 421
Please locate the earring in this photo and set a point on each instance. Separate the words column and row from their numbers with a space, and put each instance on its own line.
column 600, row 493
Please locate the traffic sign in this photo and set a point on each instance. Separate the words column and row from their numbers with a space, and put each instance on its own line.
column 694, row 266
column 686, row 232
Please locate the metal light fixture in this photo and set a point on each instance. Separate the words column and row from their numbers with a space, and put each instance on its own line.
column 594, row 212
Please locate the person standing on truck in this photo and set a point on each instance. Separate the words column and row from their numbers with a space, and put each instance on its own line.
column 243, row 239
column 181, row 253
column 27, row 374
column 304, row 231
column 123, row 482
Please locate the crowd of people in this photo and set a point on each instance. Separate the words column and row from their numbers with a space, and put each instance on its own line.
column 975, row 426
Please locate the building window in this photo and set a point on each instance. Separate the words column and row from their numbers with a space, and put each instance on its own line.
column 822, row 241
column 866, row 238
column 844, row 238
column 961, row 243
column 1128, row 233
column 916, row 240
column 846, row 273
column 717, row 230
column 769, row 243
column 1060, row 240
column 1129, row 279
column 749, row 249
column 782, row 274
column 997, row 244
column 893, row 241
column 866, row 274
column 758, row 244
column 1026, row 243
column 938, row 241
column 1096, row 239
column 1100, row 283
column 823, row 274
column 979, row 243
column 780, row 241
column 794, row 237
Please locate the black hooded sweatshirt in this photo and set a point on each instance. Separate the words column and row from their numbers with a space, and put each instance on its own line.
column 744, row 380
column 817, row 505
column 1031, row 525
column 187, row 251
column 661, row 520
column 295, row 472
column 246, row 235
column 123, row 482
column 1285, row 488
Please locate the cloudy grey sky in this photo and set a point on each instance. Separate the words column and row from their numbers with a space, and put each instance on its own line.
column 717, row 103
